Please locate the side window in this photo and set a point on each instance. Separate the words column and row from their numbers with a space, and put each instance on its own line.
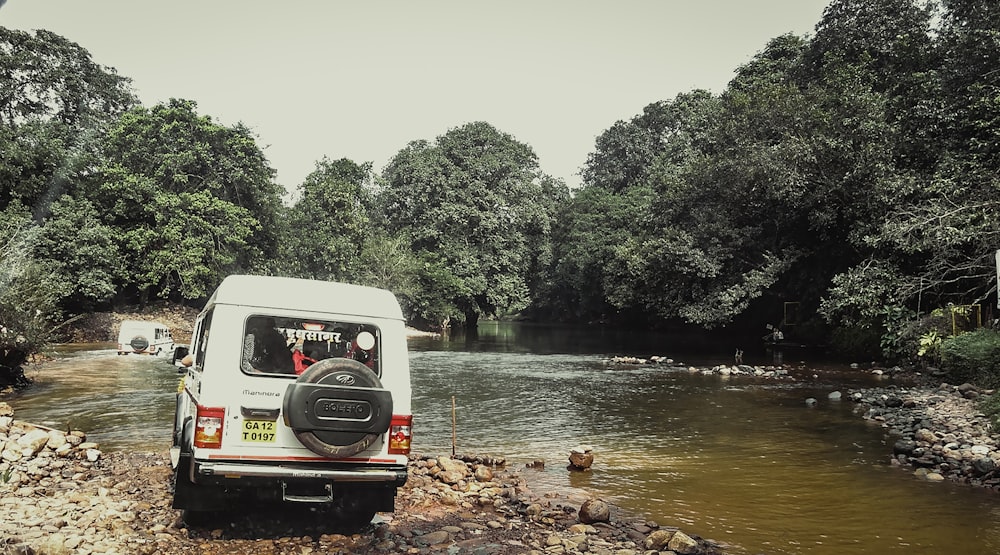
column 201, row 340
column 288, row 346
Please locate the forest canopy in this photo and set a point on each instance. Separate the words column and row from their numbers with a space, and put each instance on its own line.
column 852, row 173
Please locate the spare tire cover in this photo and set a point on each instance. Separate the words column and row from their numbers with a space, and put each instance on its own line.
column 333, row 443
column 139, row 343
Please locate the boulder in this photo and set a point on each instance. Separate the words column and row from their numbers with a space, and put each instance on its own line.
column 683, row 544
column 983, row 466
column 453, row 466
column 581, row 458
column 658, row 540
column 594, row 510
column 904, row 447
column 483, row 473
column 434, row 538
column 56, row 440
column 893, row 401
column 925, row 435
column 450, row 477
column 33, row 442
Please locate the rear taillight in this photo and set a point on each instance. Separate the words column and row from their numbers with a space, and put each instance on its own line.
column 400, row 434
column 208, row 427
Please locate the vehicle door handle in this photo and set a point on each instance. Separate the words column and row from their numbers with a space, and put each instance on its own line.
column 259, row 414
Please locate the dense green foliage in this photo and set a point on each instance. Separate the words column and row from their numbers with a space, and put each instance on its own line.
column 973, row 357
column 853, row 173
column 190, row 200
column 835, row 172
column 474, row 205
column 329, row 223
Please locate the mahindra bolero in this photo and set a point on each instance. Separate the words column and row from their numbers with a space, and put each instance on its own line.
column 295, row 391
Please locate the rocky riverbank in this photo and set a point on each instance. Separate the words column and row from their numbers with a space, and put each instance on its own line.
column 936, row 431
column 59, row 494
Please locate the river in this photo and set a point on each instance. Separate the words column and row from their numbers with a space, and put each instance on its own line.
column 742, row 461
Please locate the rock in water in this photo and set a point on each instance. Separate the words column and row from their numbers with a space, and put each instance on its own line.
column 581, row 457
column 580, row 461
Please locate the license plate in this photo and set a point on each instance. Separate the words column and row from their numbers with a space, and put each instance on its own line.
column 259, row 431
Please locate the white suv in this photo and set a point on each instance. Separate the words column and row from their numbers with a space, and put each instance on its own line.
column 295, row 391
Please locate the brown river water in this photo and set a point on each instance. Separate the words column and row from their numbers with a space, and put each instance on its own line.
column 742, row 461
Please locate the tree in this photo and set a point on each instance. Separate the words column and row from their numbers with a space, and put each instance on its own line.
column 584, row 281
column 687, row 242
column 29, row 296
column 970, row 80
column 770, row 190
column 80, row 252
column 665, row 133
column 191, row 200
column 472, row 199
column 799, row 170
column 553, row 199
column 329, row 225
column 46, row 76
column 55, row 103
column 936, row 239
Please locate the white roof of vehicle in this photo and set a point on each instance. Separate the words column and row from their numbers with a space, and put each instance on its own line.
column 142, row 324
column 306, row 295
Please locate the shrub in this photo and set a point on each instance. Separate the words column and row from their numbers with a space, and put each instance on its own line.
column 973, row 357
column 856, row 342
column 991, row 408
column 917, row 339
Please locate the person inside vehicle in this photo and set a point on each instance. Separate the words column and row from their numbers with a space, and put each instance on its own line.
column 265, row 349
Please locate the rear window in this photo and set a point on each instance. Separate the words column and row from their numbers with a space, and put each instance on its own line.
column 289, row 346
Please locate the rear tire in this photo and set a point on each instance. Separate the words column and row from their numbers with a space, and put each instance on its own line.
column 196, row 519
column 353, row 513
column 194, row 497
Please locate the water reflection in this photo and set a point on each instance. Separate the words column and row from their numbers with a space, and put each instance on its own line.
column 742, row 461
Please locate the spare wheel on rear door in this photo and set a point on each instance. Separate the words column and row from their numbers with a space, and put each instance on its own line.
column 337, row 407
column 139, row 343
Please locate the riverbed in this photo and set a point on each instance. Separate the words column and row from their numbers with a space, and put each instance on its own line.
column 739, row 460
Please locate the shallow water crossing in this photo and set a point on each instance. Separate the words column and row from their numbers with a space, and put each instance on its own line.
column 742, row 461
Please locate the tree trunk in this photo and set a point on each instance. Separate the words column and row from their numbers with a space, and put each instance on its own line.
column 471, row 320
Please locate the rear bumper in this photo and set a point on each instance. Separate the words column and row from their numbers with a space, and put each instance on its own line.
column 390, row 475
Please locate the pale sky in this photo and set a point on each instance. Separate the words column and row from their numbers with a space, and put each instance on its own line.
column 360, row 80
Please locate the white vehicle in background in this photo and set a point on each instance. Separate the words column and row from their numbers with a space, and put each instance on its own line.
column 296, row 391
column 145, row 338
